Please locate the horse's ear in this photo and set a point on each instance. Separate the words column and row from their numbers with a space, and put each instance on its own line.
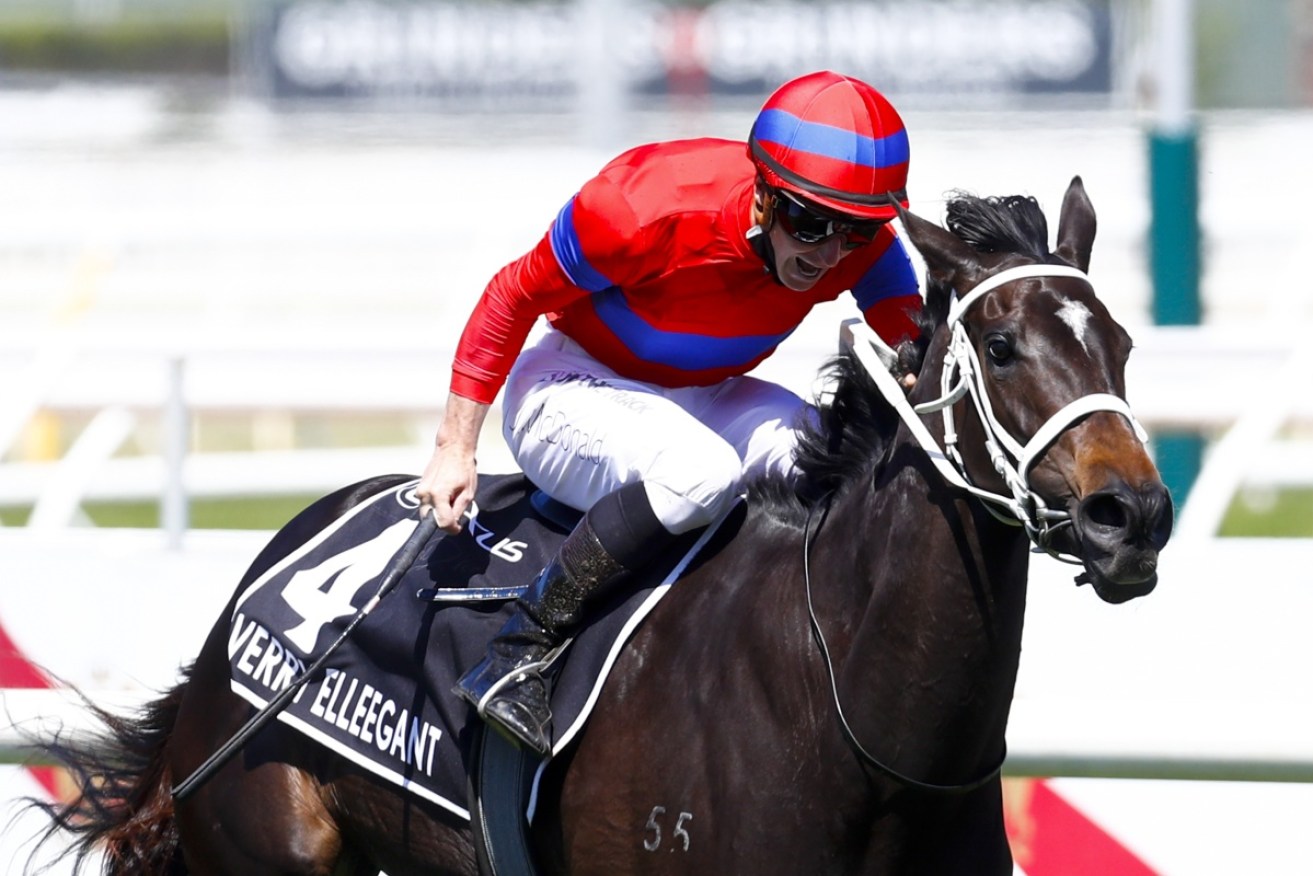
column 948, row 258
column 1076, row 226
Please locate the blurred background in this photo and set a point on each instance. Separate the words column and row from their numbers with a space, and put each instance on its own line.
column 279, row 213
column 239, row 239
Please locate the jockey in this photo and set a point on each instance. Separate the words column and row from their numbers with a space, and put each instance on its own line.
column 667, row 277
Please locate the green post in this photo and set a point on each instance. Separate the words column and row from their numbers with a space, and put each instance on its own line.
column 1174, row 235
column 1174, row 256
column 1179, row 456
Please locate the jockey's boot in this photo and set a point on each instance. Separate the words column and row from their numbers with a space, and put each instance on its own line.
column 507, row 687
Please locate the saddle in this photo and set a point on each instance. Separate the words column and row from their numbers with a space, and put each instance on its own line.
column 384, row 700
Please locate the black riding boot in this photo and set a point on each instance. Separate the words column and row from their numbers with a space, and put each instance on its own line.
column 507, row 686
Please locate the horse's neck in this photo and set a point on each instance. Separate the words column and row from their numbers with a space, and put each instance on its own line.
column 921, row 547
column 927, row 655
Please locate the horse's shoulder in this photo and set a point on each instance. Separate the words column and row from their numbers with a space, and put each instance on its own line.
column 746, row 557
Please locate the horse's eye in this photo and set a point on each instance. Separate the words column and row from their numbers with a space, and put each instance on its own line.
column 998, row 348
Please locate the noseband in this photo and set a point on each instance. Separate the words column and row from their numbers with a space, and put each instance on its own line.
column 962, row 376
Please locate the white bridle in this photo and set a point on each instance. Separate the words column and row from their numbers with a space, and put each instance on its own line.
column 963, row 376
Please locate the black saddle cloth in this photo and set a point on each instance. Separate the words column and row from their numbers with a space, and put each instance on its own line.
column 384, row 701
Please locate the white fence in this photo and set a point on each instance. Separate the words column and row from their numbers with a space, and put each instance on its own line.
column 1199, row 379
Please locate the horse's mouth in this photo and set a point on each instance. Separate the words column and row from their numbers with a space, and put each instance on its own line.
column 1117, row 574
column 1117, row 591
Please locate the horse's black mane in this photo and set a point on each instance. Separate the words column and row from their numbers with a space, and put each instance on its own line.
column 1014, row 223
column 853, row 429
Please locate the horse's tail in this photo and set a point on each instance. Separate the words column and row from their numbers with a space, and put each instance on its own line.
column 123, row 808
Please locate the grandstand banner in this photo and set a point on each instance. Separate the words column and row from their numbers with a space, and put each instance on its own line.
column 534, row 55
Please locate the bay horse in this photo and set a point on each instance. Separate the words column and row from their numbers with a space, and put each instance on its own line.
column 826, row 693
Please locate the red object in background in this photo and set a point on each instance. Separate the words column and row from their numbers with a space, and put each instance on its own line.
column 16, row 671
column 686, row 69
column 1050, row 837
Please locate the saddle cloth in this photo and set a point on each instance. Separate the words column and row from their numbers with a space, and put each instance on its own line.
column 384, row 700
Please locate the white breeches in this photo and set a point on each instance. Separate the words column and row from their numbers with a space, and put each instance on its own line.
column 580, row 431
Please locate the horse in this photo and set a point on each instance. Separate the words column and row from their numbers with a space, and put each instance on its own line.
column 828, row 691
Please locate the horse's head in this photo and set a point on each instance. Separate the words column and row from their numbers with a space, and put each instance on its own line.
column 1031, row 380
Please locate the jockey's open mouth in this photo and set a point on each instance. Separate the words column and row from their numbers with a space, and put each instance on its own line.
column 808, row 270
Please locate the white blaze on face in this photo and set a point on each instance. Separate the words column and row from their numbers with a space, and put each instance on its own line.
column 1077, row 317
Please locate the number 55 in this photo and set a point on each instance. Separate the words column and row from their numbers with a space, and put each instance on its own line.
column 653, row 827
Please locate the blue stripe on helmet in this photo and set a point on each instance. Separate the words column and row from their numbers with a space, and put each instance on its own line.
column 570, row 253
column 682, row 350
column 786, row 129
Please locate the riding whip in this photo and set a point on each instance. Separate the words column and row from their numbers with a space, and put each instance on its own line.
column 401, row 561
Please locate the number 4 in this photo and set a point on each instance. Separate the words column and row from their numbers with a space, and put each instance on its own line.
column 344, row 574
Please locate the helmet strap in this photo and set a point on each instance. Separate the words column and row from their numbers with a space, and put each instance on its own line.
column 763, row 217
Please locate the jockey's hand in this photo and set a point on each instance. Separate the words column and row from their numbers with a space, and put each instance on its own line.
column 447, row 486
column 911, row 353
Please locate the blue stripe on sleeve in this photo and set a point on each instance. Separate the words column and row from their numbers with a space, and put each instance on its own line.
column 570, row 254
column 786, row 129
column 890, row 276
column 683, row 350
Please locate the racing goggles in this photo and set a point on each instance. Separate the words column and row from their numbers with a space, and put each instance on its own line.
column 807, row 224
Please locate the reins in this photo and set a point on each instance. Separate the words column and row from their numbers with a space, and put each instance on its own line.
column 851, row 738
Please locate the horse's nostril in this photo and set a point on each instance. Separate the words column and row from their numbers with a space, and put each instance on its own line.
column 1106, row 511
column 1161, row 515
column 1142, row 518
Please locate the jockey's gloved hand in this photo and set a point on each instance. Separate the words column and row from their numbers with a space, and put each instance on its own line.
column 911, row 354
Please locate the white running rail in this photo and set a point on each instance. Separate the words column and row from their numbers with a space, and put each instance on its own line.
column 1196, row 379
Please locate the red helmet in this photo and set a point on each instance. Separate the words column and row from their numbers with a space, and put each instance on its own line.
column 836, row 141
